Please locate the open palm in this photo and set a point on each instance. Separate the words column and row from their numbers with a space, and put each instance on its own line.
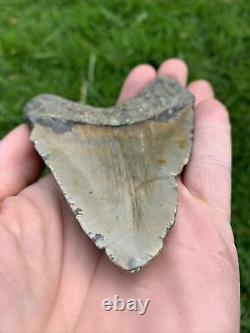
column 53, row 279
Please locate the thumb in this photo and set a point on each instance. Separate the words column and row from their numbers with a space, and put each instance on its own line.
column 20, row 165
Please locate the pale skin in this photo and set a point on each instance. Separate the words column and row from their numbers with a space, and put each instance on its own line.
column 53, row 279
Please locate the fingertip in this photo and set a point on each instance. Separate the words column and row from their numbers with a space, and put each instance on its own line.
column 212, row 112
column 175, row 68
column 202, row 90
column 137, row 79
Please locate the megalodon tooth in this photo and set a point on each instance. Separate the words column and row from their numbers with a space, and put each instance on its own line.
column 117, row 166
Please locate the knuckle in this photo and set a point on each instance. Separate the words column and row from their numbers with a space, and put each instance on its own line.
column 211, row 159
column 10, row 215
column 15, row 213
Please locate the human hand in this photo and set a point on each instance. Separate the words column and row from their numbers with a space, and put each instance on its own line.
column 52, row 277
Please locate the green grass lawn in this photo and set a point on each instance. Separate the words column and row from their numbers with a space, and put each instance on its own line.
column 52, row 46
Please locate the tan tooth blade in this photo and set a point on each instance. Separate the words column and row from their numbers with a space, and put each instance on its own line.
column 121, row 181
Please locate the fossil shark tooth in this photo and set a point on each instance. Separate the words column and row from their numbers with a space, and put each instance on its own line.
column 117, row 166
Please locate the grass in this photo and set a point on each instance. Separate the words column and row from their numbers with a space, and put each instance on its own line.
column 52, row 46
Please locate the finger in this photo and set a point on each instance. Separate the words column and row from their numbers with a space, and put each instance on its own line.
column 208, row 173
column 174, row 68
column 19, row 163
column 201, row 90
column 137, row 79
